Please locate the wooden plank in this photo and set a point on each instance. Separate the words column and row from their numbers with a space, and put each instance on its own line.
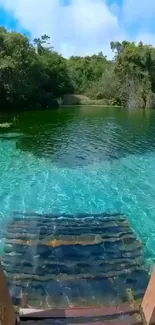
column 126, row 321
column 99, row 316
column 77, row 312
column 148, row 304
column 7, row 313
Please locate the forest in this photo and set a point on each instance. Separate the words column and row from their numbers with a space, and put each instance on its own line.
column 35, row 76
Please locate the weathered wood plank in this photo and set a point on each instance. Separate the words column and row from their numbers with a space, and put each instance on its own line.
column 99, row 316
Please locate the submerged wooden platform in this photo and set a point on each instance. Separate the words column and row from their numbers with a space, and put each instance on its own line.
column 74, row 261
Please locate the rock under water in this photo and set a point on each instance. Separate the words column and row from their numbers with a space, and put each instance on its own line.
column 63, row 261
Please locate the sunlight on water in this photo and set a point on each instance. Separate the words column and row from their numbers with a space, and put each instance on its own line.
column 84, row 175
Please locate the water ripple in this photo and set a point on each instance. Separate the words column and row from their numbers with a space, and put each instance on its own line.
column 74, row 161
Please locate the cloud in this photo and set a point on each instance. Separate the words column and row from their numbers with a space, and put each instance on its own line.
column 138, row 19
column 138, row 10
column 146, row 38
column 82, row 27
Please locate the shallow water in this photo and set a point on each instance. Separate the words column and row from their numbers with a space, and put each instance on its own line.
column 87, row 159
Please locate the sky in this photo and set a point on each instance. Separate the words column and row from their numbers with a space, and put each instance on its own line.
column 81, row 27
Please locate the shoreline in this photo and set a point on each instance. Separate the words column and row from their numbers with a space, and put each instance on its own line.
column 92, row 105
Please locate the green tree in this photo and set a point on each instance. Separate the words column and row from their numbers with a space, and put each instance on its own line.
column 86, row 70
column 36, row 76
column 135, row 66
column 30, row 78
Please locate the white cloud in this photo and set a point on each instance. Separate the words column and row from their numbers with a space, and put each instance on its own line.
column 138, row 11
column 83, row 27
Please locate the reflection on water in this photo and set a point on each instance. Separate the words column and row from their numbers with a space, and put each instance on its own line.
column 86, row 135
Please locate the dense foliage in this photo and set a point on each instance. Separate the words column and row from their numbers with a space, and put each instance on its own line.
column 31, row 76
column 36, row 76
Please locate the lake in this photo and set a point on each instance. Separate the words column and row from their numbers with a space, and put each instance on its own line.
column 81, row 159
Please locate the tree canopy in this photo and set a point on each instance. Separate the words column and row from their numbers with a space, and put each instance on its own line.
column 36, row 76
column 30, row 76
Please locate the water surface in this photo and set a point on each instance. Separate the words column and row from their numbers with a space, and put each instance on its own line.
column 85, row 159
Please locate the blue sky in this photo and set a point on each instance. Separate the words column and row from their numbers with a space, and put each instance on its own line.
column 9, row 20
column 81, row 26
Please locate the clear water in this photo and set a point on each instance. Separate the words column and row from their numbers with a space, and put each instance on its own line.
column 81, row 160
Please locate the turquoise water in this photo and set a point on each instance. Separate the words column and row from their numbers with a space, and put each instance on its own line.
column 81, row 160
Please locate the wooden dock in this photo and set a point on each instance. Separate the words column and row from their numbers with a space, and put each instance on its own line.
column 76, row 264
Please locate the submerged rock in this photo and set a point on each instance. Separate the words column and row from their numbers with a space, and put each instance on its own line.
column 82, row 255
column 5, row 125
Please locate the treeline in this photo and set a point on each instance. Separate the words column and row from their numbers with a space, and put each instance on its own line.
column 36, row 76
